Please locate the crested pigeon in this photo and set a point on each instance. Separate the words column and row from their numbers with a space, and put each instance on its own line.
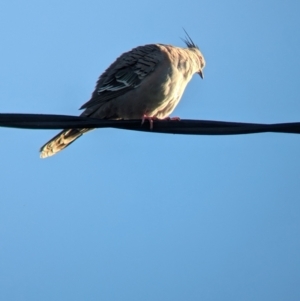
column 146, row 82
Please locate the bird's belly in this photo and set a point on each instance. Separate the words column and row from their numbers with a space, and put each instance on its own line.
column 171, row 97
column 165, row 108
column 156, row 101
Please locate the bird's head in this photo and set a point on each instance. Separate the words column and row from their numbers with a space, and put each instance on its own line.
column 200, row 58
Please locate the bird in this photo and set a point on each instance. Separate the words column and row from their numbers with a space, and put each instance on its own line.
column 144, row 83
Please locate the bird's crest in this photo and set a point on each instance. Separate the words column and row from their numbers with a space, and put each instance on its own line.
column 188, row 41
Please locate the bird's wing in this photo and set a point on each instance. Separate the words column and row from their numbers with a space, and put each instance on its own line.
column 125, row 74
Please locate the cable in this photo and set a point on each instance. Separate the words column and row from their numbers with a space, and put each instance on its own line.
column 184, row 126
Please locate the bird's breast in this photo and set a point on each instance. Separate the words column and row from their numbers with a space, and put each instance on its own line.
column 157, row 96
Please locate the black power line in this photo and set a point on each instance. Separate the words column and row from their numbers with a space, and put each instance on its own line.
column 183, row 126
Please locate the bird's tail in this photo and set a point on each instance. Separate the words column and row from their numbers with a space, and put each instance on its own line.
column 61, row 141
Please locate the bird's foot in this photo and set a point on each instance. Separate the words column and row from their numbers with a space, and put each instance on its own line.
column 172, row 118
column 155, row 118
column 150, row 119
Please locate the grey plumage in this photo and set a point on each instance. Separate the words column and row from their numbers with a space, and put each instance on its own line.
column 146, row 82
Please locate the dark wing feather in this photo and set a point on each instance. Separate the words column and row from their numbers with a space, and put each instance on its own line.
column 125, row 74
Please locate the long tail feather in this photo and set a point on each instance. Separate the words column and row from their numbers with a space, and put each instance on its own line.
column 61, row 141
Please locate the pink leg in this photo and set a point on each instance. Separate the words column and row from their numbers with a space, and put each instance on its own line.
column 150, row 120
column 155, row 118
column 172, row 118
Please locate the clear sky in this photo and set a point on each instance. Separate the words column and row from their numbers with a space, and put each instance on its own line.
column 123, row 215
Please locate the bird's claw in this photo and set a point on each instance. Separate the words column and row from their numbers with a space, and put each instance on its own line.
column 172, row 118
column 150, row 120
column 155, row 118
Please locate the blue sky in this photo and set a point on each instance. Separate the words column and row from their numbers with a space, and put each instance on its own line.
column 123, row 215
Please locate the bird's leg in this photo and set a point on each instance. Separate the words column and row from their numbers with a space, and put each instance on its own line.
column 172, row 118
column 145, row 117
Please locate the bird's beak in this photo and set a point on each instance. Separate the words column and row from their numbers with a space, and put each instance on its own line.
column 201, row 74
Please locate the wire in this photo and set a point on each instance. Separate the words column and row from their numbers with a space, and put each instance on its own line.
column 184, row 126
